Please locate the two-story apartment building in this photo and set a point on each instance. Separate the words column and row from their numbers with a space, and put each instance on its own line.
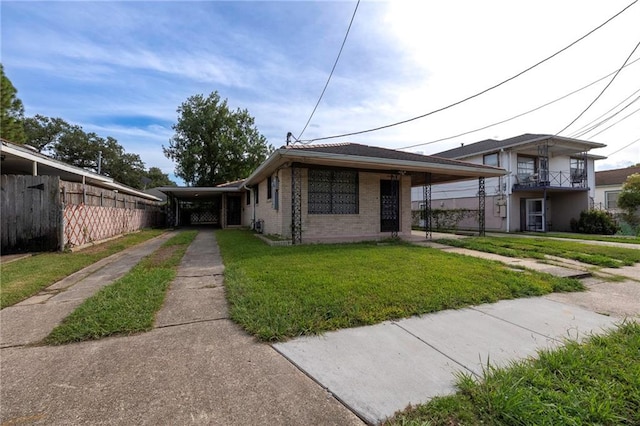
column 550, row 180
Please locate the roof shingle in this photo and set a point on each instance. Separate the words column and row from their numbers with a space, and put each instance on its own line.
column 615, row 176
column 359, row 150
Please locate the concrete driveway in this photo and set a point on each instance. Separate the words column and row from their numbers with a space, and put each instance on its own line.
column 196, row 367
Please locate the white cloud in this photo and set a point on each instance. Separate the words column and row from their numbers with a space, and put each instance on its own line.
column 105, row 64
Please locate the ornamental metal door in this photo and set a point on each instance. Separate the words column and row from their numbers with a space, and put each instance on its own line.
column 389, row 206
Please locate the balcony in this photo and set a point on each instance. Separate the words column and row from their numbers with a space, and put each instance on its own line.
column 550, row 179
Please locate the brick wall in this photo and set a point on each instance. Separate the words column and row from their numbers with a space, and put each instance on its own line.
column 332, row 227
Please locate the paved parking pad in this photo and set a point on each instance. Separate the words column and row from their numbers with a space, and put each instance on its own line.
column 380, row 369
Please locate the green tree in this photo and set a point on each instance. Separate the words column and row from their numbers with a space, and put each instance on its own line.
column 77, row 148
column 44, row 132
column 124, row 167
column 213, row 144
column 154, row 178
column 11, row 111
column 84, row 150
column 629, row 200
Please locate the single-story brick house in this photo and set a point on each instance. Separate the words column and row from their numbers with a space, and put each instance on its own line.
column 327, row 193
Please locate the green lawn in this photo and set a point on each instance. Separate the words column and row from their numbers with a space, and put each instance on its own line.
column 25, row 277
column 281, row 292
column 593, row 383
column 129, row 305
column 537, row 248
column 588, row 237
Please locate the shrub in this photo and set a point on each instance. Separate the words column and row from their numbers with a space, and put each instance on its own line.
column 595, row 222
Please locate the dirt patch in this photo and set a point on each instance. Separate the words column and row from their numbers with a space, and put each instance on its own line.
column 161, row 256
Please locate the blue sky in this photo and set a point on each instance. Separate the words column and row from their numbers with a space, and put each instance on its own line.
column 122, row 69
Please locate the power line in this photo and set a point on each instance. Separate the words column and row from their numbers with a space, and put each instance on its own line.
column 519, row 115
column 617, row 122
column 332, row 70
column 603, row 90
column 479, row 93
column 624, row 147
column 602, row 122
column 592, row 125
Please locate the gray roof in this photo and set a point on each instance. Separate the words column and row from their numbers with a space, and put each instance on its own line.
column 492, row 145
column 359, row 150
column 615, row 176
column 363, row 157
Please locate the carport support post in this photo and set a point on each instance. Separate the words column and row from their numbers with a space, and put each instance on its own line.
column 426, row 210
column 481, row 206
column 296, row 205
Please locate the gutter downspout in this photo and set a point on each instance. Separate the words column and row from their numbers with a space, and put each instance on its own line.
column 508, row 191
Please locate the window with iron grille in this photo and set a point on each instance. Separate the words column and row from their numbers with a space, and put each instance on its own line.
column 333, row 191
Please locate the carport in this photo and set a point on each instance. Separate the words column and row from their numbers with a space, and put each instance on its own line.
column 219, row 206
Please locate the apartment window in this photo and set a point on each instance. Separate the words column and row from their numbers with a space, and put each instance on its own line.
column 333, row 192
column 248, row 197
column 577, row 167
column 269, row 189
column 526, row 166
column 256, row 193
column 491, row 160
column 611, row 199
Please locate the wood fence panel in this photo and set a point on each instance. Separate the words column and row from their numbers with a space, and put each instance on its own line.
column 30, row 213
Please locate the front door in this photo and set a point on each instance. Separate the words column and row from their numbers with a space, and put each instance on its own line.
column 389, row 206
column 535, row 214
column 234, row 210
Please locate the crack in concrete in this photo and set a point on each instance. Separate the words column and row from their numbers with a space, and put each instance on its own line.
column 435, row 348
column 192, row 322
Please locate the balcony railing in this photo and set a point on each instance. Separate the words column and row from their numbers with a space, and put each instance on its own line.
column 573, row 179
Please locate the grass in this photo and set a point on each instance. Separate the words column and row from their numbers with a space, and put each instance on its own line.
column 588, row 237
column 25, row 277
column 537, row 248
column 281, row 292
column 129, row 305
column 596, row 383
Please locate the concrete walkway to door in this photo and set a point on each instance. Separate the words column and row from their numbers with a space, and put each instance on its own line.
column 195, row 367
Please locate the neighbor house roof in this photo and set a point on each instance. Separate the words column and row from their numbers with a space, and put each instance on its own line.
column 22, row 159
column 364, row 157
column 615, row 176
column 562, row 145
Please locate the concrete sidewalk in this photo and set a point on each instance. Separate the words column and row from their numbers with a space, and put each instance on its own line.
column 33, row 319
column 381, row 369
column 196, row 367
column 557, row 268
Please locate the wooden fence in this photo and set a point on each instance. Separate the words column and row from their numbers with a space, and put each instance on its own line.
column 31, row 213
column 41, row 213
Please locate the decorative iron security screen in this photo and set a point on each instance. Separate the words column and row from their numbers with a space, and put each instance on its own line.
column 333, row 192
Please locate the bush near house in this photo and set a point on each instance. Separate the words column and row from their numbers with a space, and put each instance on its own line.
column 444, row 219
column 595, row 222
